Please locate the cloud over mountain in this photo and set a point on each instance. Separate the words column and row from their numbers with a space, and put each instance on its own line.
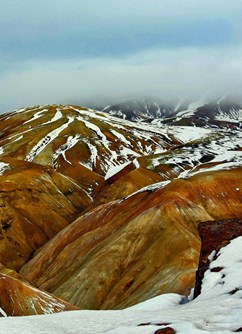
column 92, row 52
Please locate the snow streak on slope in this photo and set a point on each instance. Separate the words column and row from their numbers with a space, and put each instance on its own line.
column 151, row 188
column 36, row 115
column 40, row 146
column 57, row 116
column 2, row 312
column 41, row 113
column 121, row 137
column 191, row 109
column 92, row 162
column 3, row 167
column 114, row 170
column 216, row 310
column 97, row 131
column 71, row 142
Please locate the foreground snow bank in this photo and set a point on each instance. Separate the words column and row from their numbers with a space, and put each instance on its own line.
column 216, row 310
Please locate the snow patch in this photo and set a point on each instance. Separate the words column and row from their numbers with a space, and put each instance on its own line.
column 227, row 279
column 151, row 187
column 3, row 167
column 3, row 312
column 189, row 133
column 233, row 116
column 36, row 115
column 136, row 163
column 93, row 157
column 159, row 302
column 71, row 142
column 115, row 169
column 40, row 146
column 121, row 137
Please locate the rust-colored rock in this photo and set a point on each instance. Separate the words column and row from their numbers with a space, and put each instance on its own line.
column 19, row 298
column 126, row 182
column 214, row 235
column 166, row 330
column 35, row 204
column 124, row 252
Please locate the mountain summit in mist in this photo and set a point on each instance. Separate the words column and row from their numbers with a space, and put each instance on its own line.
column 222, row 112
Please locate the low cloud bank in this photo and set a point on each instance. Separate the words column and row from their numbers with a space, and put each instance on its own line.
column 167, row 74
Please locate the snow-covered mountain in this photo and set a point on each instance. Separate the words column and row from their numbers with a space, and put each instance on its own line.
column 224, row 112
column 143, row 109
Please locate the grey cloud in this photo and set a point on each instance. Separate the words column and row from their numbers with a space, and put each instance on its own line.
column 130, row 39
column 67, row 29
column 62, row 51
column 189, row 73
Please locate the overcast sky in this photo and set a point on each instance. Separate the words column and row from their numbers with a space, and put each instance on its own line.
column 98, row 51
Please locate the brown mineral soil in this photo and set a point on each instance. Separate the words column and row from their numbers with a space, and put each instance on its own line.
column 126, row 182
column 19, row 298
column 127, row 251
column 35, row 204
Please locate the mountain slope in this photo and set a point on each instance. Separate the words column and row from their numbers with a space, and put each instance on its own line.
column 224, row 112
column 36, row 203
column 127, row 251
column 60, row 135
column 142, row 109
column 19, row 298
column 53, row 162
column 103, row 212
column 216, row 310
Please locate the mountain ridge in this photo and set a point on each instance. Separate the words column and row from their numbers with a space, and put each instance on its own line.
column 222, row 112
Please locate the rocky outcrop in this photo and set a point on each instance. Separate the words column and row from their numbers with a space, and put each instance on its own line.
column 166, row 330
column 214, row 235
